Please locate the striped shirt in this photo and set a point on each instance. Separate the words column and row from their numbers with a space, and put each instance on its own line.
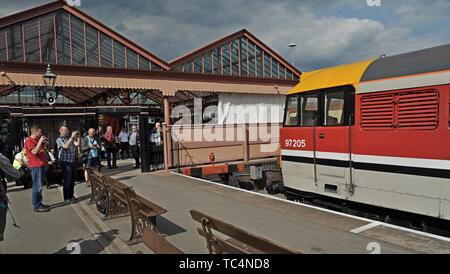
column 65, row 155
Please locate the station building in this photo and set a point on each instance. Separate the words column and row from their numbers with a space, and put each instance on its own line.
column 103, row 78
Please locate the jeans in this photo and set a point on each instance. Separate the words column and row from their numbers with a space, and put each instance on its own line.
column 135, row 153
column 124, row 150
column 111, row 152
column 38, row 176
column 69, row 179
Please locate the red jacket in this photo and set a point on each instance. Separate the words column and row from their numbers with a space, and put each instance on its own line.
column 109, row 140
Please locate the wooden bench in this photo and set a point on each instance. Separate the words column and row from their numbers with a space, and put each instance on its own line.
column 158, row 244
column 95, row 180
column 121, row 201
column 116, row 202
column 239, row 242
column 143, row 215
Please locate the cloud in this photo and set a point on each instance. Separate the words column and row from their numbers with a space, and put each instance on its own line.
column 327, row 32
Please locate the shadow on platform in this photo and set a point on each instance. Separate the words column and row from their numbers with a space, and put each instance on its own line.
column 93, row 246
column 168, row 228
column 63, row 204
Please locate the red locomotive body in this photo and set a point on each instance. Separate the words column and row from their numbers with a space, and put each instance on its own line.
column 375, row 132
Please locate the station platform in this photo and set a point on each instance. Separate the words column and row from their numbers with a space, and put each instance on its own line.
column 304, row 228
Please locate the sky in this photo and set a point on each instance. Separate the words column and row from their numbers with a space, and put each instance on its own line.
column 327, row 32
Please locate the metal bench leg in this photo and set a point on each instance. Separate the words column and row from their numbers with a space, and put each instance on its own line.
column 138, row 225
column 95, row 194
column 116, row 209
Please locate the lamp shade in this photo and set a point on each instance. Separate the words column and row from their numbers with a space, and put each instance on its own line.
column 49, row 78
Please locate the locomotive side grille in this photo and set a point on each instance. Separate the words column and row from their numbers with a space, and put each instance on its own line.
column 418, row 110
column 377, row 112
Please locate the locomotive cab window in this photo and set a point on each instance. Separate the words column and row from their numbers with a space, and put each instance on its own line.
column 310, row 110
column 330, row 107
column 292, row 114
column 334, row 109
column 338, row 106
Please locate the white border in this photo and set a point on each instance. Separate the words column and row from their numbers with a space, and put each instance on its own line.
column 372, row 159
column 410, row 81
column 297, row 153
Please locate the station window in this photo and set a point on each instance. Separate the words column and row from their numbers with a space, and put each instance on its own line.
column 2, row 46
column 78, row 54
column 92, row 46
column 15, row 46
column 47, row 39
column 105, row 50
column 132, row 59
column 31, row 38
column 63, row 37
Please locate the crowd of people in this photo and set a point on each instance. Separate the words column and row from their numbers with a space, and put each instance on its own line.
column 72, row 151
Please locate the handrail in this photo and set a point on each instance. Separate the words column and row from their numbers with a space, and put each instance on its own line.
column 184, row 148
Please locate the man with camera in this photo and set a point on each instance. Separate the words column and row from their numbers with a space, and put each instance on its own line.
column 67, row 149
column 37, row 163
column 90, row 146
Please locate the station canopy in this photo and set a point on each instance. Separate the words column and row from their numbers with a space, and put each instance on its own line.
column 92, row 60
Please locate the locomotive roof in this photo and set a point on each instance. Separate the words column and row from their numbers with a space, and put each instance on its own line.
column 412, row 63
column 342, row 75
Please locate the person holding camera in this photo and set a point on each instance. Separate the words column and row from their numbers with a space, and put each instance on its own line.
column 37, row 163
column 91, row 147
column 67, row 150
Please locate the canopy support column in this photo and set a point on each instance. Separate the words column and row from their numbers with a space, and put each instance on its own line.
column 144, row 140
column 166, row 134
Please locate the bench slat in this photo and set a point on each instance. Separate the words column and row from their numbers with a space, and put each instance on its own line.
column 147, row 213
column 158, row 244
column 241, row 235
column 144, row 203
column 232, row 245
